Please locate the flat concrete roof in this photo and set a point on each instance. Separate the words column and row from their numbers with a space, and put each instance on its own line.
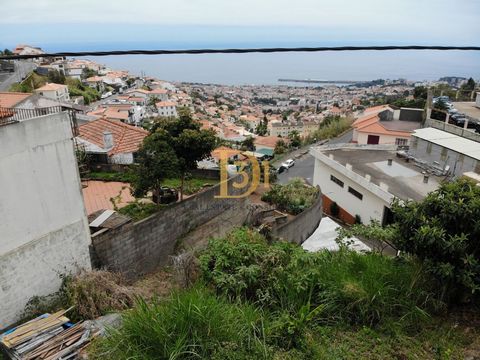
column 404, row 180
column 401, row 125
column 451, row 141
column 468, row 108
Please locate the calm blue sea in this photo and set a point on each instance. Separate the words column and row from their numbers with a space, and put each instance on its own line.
column 241, row 69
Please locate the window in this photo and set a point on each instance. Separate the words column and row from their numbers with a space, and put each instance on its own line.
column 336, row 181
column 429, row 148
column 355, row 193
column 401, row 142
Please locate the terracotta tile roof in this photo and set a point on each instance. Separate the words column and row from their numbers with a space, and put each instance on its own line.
column 10, row 99
column 51, row 87
column 126, row 138
column 228, row 151
column 97, row 195
column 269, row 141
column 158, row 91
column 94, row 79
column 165, row 103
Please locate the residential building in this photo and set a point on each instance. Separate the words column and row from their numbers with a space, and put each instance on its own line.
column 166, row 108
column 96, row 82
column 284, row 128
column 111, row 141
column 44, row 228
column 159, row 93
column 385, row 125
column 11, row 99
column 364, row 179
column 446, row 150
column 54, row 91
column 268, row 142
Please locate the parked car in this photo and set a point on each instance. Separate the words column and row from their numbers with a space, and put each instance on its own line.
column 288, row 163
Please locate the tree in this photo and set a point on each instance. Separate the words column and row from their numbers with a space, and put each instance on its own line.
column 152, row 101
column 420, row 92
column 156, row 160
column 469, row 85
column 87, row 72
column 248, row 143
column 280, row 147
column 56, row 77
column 7, row 52
column 187, row 140
column 295, row 140
column 443, row 231
column 262, row 126
column 440, row 104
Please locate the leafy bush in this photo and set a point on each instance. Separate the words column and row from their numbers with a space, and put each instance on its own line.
column 293, row 197
column 138, row 211
column 443, row 231
column 193, row 324
column 362, row 289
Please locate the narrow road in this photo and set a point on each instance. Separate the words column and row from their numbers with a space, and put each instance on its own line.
column 22, row 69
column 304, row 163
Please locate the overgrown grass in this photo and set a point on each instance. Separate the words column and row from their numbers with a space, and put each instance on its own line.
column 276, row 301
column 192, row 185
column 111, row 176
column 138, row 211
column 341, row 286
column 293, row 197
column 332, row 127
column 31, row 82
column 193, row 324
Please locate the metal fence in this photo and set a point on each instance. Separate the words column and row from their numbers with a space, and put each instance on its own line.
column 13, row 115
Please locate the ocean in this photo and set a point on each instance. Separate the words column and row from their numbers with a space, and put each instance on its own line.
column 266, row 69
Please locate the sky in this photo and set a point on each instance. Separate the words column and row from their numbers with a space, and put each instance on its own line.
column 100, row 24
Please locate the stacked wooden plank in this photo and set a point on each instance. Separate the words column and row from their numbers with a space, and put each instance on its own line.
column 47, row 337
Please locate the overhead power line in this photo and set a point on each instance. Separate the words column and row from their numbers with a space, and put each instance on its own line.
column 239, row 51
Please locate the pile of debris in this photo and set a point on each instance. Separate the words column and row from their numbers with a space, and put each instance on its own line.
column 47, row 337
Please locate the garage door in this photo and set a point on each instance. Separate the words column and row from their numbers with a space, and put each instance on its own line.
column 373, row 139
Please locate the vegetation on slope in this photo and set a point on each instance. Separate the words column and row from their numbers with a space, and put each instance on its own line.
column 293, row 197
column 261, row 301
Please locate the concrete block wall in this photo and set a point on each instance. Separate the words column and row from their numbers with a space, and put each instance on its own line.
column 303, row 225
column 138, row 248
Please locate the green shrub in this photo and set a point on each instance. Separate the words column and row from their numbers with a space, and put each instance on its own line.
column 293, row 197
column 138, row 211
column 192, row 324
column 350, row 287
column 443, row 231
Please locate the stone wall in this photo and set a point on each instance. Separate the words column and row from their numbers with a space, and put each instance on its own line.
column 303, row 225
column 137, row 248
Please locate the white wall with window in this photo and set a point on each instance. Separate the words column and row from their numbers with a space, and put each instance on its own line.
column 348, row 193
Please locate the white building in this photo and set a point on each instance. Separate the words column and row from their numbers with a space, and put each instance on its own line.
column 364, row 180
column 53, row 91
column 44, row 228
column 166, row 108
column 446, row 149
column 384, row 125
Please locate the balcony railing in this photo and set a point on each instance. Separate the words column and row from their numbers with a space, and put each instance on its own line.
column 13, row 115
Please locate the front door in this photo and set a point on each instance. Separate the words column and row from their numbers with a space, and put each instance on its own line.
column 373, row 139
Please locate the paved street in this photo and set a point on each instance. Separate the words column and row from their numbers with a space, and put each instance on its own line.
column 22, row 68
column 304, row 164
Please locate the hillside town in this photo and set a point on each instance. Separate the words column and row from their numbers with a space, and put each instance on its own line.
column 119, row 181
